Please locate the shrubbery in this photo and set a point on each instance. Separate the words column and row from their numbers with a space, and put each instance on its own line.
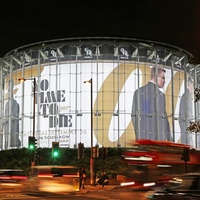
column 20, row 159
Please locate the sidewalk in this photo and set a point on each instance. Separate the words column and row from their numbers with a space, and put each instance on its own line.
column 97, row 187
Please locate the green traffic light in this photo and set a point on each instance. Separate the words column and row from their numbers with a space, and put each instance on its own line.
column 31, row 147
column 55, row 149
column 32, row 143
column 55, row 153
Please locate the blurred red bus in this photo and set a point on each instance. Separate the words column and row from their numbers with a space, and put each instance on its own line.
column 159, row 152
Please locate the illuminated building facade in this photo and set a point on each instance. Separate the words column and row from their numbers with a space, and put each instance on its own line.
column 118, row 67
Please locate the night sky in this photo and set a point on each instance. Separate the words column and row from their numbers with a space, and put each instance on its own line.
column 174, row 22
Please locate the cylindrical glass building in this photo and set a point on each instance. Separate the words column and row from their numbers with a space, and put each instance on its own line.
column 137, row 90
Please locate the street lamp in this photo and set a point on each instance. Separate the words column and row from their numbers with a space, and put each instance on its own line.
column 91, row 155
column 34, row 99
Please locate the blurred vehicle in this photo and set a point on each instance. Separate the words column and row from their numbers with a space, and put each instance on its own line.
column 184, row 187
column 12, row 179
column 155, row 158
column 54, row 179
column 145, row 185
column 159, row 152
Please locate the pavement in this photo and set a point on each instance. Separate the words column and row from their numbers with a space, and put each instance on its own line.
column 89, row 188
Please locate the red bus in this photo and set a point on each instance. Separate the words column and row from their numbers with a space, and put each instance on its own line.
column 159, row 152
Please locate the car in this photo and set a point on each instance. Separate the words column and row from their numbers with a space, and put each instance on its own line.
column 12, row 179
column 54, row 179
column 184, row 187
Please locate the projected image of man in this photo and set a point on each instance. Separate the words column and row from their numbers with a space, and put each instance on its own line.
column 149, row 115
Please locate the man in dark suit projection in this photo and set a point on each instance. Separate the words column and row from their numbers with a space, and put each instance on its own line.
column 149, row 115
column 186, row 112
column 12, row 110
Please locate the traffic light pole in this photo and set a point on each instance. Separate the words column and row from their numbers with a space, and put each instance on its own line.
column 185, row 166
column 34, row 101
column 185, row 157
column 91, row 155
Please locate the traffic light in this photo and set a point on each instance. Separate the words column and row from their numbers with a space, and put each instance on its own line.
column 55, row 149
column 95, row 151
column 32, row 142
column 80, row 150
column 35, row 143
column 104, row 153
column 186, row 154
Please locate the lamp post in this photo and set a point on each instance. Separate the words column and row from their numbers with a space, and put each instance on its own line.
column 34, row 99
column 91, row 155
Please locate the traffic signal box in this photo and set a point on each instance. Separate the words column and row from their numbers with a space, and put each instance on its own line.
column 32, row 143
column 186, row 154
column 104, row 153
column 95, row 151
column 80, row 150
column 55, row 149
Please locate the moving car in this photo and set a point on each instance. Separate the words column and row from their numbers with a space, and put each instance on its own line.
column 54, row 179
column 184, row 187
column 12, row 179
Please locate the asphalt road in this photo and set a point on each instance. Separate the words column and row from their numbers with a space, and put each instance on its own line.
column 98, row 194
